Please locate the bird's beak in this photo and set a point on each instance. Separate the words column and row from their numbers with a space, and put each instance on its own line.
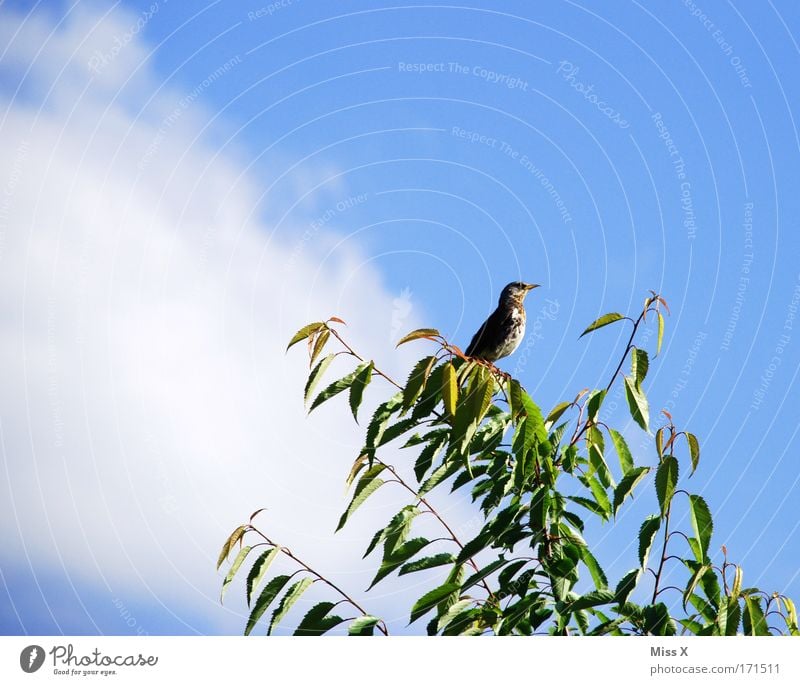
column 531, row 286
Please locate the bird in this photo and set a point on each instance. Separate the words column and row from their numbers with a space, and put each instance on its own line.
column 503, row 331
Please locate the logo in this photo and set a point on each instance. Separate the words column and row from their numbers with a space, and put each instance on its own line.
column 31, row 658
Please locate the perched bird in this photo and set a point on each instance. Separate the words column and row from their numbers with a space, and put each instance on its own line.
column 503, row 331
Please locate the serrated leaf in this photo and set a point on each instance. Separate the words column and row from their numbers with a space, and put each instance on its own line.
column 235, row 566
column 396, row 556
column 627, row 484
column 360, row 382
column 637, row 403
column 268, row 594
column 694, row 579
column 457, row 608
column 319, row 345
column 702, row 523
column 556, row 412
column 430, row 599
column 233, row 538
column 416, row 380
column 590, row 599
column 449, row 389
column 599, row 493
column 624, row 454
column 367, row 484
column 666, row 480
column 483, row 573
column 317, row 621
column 363, row 626
column 304, row 332
column 427, row 455
column 639, row 365
column 316, row 376
column 595, row 445
column 627, row 585
column 291, row 596
column 602, row 321
column 660, row 333
column 419, row 333
column 754, row 621
column 694, row 450
column 259, row 569
column 337, row 386
column 596, row 571
column 441, row 559
column 657, row 620
column 593, row 404
column 647, row 534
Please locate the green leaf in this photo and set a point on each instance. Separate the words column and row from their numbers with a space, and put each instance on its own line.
column 363, row 626
column 694, row 579
column 360, row 382
column 596, row 571
column 317, row 621
column 396, row 556
column 291, row 596
column 416, row 380
column 367, row 484
column 627, row 484
column 457, row 608
column 259, row 570
column 427, row 562
column 627, row 585
column 304, row 332
column 483, row 573
column 430, row 599
column 701, row 522
column 625, row 458
column 660, row 332
column 599, row 493
column 234, row 537
column 556, row 413
column 657, row 620
column 449, row 388
column 754, row 621
column 647, row 534
column 377, row 424
column 590, row 504
column 666, row 480
column 419, row 333
column 593, row 404
column 319, row 345
column 470, row 549
column 602, row 321
column 639, row 365
column 396, row 531
column 637, row 403
column 694, row 450
column 440, row 474
column 337, row 386
column 427, row 455
column 316, row 376
column 235, row 566
column 595, row 445
column 269, row 593
column 590, row 599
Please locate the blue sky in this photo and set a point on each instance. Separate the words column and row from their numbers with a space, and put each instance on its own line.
column 187, row 185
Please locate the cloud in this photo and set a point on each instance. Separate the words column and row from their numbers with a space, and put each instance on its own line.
column 147, row 405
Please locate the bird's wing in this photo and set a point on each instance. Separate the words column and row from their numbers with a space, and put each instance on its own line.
column 486, row 336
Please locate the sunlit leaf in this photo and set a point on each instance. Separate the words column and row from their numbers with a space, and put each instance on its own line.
column 624, row 454
column 647, row 534
column 430, row 599
column 441, row 559
column 360, row 382
column 416, row 380
column 637, row 403
column 602, row 321
column 259, row 569
column 694, row 450
column 701, row 522
column 666, row 480
column 639, row 366
column 363, row 626
column 268, row 594
column 627, row 484
column 367, row 484
column 288, row 600
column 419, row 333
column 235, row 566
column 660, row 332
column 449, row 389
column 337, row 386
column 316, row 376
column 234, row 537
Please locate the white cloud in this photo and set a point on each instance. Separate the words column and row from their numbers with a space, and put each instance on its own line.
column 147, row 404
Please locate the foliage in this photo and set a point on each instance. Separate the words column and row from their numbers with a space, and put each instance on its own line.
column 535, row 481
